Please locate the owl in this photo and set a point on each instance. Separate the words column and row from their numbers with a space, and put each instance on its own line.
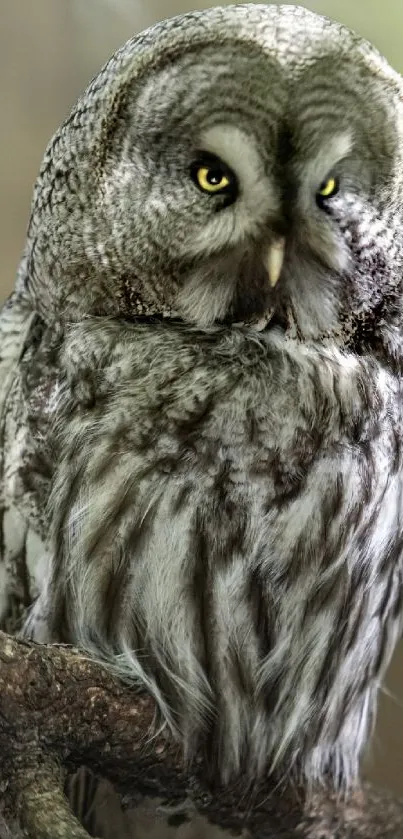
column 201, row 445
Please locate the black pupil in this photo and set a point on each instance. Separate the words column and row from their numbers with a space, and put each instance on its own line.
column 215, row 177
column 206, row 170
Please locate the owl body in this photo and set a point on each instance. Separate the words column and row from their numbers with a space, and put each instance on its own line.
column 202, row 421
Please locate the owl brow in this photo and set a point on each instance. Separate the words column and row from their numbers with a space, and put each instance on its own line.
column 208, row 157
column 329, row 156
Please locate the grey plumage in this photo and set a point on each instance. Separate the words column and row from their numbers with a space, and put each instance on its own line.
column 211, row 506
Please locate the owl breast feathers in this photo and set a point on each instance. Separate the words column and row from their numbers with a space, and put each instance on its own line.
column 201, row 408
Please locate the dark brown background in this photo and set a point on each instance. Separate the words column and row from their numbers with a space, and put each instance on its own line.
column 48, row 51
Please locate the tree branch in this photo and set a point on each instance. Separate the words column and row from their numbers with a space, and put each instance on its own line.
column 59, row 710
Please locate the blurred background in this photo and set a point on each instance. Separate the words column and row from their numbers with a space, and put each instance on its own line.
column 49, row 49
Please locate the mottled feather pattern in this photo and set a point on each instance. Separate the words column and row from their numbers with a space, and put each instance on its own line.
column 234, row 530
column 201, row 469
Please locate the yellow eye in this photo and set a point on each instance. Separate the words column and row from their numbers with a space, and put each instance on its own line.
column 212, row 179
column 328, row 188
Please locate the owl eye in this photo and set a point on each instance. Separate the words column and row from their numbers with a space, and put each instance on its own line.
column 211, row 180
column 213, row 177
column 327, row 189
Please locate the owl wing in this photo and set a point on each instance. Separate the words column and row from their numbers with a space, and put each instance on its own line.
column 23, row 552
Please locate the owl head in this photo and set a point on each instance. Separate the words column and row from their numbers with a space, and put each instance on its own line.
column 241, row 164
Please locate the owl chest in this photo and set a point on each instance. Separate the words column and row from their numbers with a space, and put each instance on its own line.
column 260, row 471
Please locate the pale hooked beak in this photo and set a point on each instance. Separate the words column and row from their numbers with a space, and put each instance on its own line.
column 274, row 260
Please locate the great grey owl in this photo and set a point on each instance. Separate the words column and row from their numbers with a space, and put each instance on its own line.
column 201, row 409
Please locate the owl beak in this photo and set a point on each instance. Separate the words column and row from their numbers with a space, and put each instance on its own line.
column 274, row 260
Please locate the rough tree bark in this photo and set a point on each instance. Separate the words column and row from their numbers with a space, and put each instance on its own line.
column 60, row 710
